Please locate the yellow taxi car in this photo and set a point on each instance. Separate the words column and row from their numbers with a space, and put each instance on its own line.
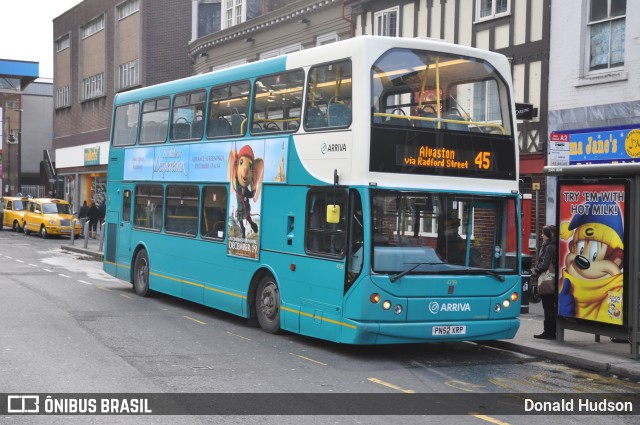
column 49, row 217
column 13, row 213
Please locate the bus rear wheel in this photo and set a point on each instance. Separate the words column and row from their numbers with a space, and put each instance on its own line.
column 141, row 274
column 268, row 305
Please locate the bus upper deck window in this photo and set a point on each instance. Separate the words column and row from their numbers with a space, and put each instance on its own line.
column 125, row 126
column 228, row 110
column 328, row 96
column 155, row 120
column 277, row 103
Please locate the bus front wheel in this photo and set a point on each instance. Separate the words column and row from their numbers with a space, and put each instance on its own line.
column 268, row 305
column 141, row 274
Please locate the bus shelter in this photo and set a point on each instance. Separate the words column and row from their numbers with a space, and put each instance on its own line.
column 597, row 218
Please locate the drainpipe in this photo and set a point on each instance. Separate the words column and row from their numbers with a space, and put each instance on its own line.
column 351, row 24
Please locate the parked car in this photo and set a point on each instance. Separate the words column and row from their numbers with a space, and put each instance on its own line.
column 14, row 209
column 49, row 217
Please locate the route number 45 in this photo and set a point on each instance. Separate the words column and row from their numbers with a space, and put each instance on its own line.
column 483, row 160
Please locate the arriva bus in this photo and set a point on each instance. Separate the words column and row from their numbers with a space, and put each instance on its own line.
column 364, row 192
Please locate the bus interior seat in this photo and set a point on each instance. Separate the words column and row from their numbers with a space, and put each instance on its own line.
column 455, row 115
column 426, row 112
column 180, row 131
column 219, row 127
column 315, row 117
column 338, row 114
column 402, row 122
column 236, row 123
column 162, row 130
column 197, row 129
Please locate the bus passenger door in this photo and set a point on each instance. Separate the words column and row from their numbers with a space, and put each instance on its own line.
column 123, row 256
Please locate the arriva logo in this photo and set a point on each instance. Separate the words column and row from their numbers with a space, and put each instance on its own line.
column 434, row 307
column 333, row 147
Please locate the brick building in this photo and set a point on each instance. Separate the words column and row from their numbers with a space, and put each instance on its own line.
column 102, row 47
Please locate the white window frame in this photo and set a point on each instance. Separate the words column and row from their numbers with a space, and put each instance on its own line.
column 381, row 21
column 62, row 43
column 281, row 51
column 323, row 39
column 128, row 8
column 234, row 12
column 93, row 87
column 128, row 74
column 228, row 65
column 493, row 14
column 588, row 40
column 63, row 99
column 93, row 27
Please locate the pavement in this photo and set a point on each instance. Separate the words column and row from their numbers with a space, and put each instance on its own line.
column 579, row 349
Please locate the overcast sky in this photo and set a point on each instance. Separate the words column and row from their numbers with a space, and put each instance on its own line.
column 26, row 30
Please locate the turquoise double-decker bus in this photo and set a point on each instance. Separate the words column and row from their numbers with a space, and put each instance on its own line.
column 363, row 192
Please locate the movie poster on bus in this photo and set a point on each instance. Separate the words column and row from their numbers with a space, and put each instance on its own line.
column 250, row 165
column 591, row 252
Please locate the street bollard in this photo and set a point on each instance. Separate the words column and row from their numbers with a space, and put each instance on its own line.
column 86, row 234
column 73, row 231
column 101, row 244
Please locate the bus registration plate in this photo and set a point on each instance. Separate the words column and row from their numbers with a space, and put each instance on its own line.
column 449, row 330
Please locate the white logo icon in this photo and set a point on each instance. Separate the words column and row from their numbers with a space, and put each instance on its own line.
column 434, row 307
column 23, row 404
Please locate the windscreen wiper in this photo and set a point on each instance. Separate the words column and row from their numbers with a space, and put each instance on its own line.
column 410, row 269
column 483, row 271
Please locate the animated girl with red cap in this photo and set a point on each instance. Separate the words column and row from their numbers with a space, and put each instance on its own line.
column 592, row 285
column 245, row 174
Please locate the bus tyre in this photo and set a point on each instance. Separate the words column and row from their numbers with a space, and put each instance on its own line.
column 268, row 305
column 43, row 232
column 141, row 274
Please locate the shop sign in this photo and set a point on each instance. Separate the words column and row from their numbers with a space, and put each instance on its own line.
column 605, row 147
column 92, row 156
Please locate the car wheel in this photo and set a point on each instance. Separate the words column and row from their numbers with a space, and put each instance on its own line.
column 16, row 226
column 43, row 232
column 141, row 274
column 268, row 305
column 26, row 230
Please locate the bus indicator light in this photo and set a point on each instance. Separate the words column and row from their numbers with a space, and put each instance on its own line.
column 292, row 267
column 375, row 298
column 514, row 297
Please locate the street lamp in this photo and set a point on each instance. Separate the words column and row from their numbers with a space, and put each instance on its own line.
column 13, row 138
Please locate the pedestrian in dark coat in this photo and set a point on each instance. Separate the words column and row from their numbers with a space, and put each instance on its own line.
column 546, row 261
column 94, row 217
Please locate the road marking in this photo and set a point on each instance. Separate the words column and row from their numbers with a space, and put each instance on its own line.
column 103, row 288
column 86, row 283
column 10, row 258
column 126, row 296
column 19, row 261
column 64, row 275
column 307, row 358
column 47, row 270
column 464, row 386
column 386, row 384
column 239, row 336
column 490, row 419
column 34, row 265
column 195, row 320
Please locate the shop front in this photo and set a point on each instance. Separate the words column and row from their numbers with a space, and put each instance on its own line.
column 84, row 170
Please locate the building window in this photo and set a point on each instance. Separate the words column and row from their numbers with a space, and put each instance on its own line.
column 209, row 17
column 282, row 51
column 606, row 29
column 327, row 39
column 129, row 8
column 93, row 27
column 233, row 13
column 489, row 9
column 129, row 74
column 62, row 97
column 93, row 87
column 63, row 43
column 385, row 22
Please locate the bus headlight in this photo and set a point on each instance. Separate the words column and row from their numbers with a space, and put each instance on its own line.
column 506, row 303
column 386, row 305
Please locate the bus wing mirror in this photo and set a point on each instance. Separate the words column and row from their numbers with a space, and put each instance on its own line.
column 333, row 214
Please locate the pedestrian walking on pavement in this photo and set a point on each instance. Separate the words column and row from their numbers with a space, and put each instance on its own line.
column 102, row 211
column 94, row 217
column 83, row 215
column 546, row 262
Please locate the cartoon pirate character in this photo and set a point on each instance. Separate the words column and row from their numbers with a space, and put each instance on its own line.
column 245, row 174
column 592, row 278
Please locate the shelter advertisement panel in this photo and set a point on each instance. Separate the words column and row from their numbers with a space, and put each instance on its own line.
column 591, row 251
